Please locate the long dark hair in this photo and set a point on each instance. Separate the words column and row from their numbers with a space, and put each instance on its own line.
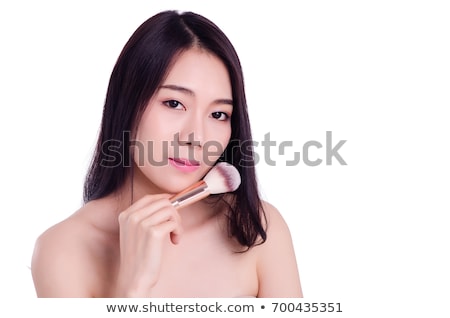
column 139, row 71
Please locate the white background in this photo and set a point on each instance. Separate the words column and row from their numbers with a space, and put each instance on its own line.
column 373, row 234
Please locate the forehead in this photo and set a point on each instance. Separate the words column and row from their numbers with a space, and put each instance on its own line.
column 200, row 71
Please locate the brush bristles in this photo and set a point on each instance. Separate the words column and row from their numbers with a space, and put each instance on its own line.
column 222, row 178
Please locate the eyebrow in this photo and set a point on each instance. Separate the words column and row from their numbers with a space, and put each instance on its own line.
column 191, row 93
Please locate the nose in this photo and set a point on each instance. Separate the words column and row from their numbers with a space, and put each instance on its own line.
column 192, row 132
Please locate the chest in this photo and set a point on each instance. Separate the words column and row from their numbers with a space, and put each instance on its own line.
column 207, row 268
column 201, row 265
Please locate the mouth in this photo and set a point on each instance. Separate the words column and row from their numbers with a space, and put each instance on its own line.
column 185, row 162
column 184, row 165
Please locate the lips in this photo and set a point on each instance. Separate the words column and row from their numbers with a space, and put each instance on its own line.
column 184, row 165
column 185, row 162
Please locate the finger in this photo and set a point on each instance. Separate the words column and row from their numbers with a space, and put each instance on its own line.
column 168, row 215
column 136, row 216
column 165, row 215
column 175, row 238
column 175, row 235
column 146, row 200
column 162, row 215
column 163, row 230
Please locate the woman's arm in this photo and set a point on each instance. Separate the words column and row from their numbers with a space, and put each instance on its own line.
column 277, row 266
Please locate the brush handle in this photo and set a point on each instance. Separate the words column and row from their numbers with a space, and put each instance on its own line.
column 192, row 194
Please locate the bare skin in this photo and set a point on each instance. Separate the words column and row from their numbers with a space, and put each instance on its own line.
column 80, row 257
column 111, row 248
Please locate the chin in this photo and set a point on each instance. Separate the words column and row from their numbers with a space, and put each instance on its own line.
column 168, row 180
column 177, row 187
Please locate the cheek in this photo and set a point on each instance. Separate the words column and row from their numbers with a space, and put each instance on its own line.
column 224, row 136
column 154, row 126
column 216, row 144
column 151, row 143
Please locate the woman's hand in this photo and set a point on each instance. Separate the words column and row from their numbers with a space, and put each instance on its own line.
column 146, row 228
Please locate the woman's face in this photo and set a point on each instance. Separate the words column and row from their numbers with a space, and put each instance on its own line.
column 187, row 123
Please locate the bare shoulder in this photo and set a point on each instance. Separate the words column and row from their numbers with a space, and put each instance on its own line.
column 274, row 220
column 62, row 262
column 277, row 230
column 277, row 265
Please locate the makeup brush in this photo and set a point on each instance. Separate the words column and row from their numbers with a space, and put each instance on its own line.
column 222, row 178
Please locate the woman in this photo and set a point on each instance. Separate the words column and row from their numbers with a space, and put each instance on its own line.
column 177, row 87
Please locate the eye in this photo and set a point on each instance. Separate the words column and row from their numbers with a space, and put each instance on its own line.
column 220, row 116
column 174, row 104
